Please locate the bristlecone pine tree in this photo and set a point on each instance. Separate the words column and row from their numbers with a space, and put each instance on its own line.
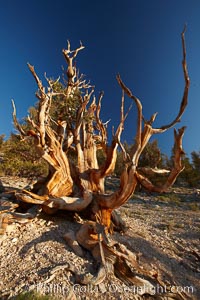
column 78, row 185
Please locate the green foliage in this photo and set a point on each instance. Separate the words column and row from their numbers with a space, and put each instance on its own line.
column 196, row 160
column 151, row 156
column 2, row 136
column 170, row 197
column 100, row 157
column 120, row 159
column 194, row 206
column 186, row 175
column 21, row 159
column 119, row 164
column 33, row 296
column 64, row 108
column 190, row 176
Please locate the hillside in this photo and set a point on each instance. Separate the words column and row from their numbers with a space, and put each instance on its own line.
column 163, row 230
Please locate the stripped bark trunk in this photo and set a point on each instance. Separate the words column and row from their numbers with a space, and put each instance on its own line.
column 68, row 185
column 79, row 186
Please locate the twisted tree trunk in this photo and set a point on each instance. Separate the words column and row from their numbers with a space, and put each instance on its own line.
column 78, row 185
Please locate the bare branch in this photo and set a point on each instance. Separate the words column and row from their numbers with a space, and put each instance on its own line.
column 138, row 137
column 33, row 124
column 38, row 81
column 44, row 106
column 65, row 203
column 111, row 152
column 186, row 89
column 153, row 171
column 82, row 176
column 100, row 125
column 16, row 123
column 69, row 56
column 139, row 108
column 51, row 83
column 176, row 170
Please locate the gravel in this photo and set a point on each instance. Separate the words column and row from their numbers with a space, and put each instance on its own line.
column 164, row 231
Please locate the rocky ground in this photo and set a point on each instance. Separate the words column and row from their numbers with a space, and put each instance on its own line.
column 164, row 231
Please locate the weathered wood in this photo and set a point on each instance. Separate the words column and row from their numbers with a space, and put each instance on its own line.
column 79, row 184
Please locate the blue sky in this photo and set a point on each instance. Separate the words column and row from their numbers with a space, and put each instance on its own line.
column 140, row 39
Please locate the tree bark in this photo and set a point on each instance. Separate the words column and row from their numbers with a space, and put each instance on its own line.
column 80, row 185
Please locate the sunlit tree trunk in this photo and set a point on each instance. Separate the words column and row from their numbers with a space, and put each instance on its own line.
column 79, row 185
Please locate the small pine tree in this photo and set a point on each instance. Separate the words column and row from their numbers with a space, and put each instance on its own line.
column 21, row 159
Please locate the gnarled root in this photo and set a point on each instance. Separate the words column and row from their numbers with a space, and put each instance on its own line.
column 9, row 216
column 115, row 258
column 65, row 203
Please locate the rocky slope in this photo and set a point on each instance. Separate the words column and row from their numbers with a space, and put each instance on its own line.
column 163, row 230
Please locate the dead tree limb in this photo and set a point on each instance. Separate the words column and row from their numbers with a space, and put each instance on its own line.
column 78, row 184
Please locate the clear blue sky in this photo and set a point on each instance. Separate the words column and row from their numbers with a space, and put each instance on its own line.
column 140, row 39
